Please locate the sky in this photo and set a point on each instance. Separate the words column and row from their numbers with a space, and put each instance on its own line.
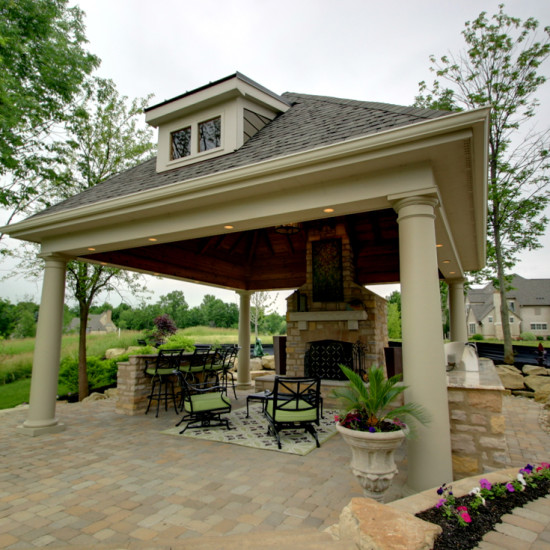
column 357, row 49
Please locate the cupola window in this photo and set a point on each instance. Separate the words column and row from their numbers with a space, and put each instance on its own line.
column 210, row 134
column 181, row 143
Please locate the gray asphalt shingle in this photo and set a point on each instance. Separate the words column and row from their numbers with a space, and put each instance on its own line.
column 311, row 122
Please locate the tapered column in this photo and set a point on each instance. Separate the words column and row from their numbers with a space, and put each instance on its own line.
column 457, row 310
column 243, row 368
column 47, row 350
column 429, row 454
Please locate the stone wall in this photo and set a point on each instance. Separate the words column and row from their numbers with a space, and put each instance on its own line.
column 133, row 386
column 360, row 316
column 477, row 431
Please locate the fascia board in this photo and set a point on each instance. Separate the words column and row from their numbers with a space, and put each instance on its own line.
column 387, row 143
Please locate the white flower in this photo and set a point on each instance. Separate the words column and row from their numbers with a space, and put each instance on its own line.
column 477, row 492
column 521, row 479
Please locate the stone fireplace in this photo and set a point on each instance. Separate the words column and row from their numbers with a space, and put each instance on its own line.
column 331, row 310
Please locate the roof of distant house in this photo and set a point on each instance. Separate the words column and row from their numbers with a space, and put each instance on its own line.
column 527, row 292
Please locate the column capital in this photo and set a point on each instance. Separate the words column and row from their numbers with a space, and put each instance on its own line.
column 53, row 257
column 399, row 204
column 244, row 292
column 456, row 281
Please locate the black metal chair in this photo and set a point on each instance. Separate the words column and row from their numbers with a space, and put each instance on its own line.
column 202, row 404
column 294, row 404
column 161, row 370
column 227, row 377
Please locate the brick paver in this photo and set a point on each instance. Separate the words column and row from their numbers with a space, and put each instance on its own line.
column 115, row 480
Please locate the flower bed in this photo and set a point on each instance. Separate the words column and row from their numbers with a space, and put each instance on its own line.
column 466, row 519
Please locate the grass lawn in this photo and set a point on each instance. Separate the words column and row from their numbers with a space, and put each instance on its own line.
column 18, row 393
column 16, row 355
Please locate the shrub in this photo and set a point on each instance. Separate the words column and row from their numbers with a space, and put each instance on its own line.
column 477, row 337
column 178, row 341
column 540, row 338
column 527, row 336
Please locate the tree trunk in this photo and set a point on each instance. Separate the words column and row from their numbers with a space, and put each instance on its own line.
column 504, row 311
column 82, row 370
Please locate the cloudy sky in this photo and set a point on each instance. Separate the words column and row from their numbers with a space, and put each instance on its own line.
column 358, row 49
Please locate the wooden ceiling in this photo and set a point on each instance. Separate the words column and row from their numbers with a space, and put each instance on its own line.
column 264, row 259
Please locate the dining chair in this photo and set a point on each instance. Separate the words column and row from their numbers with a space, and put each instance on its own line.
column 294, row 404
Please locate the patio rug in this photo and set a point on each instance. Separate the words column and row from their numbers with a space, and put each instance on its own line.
column 252, row 432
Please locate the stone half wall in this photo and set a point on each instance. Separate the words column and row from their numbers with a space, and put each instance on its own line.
column 359, row 316
column 477, row 431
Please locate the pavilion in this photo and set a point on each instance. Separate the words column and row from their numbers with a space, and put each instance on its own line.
column 241, row 175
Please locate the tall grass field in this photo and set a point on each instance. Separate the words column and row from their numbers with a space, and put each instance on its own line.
column 16, row 355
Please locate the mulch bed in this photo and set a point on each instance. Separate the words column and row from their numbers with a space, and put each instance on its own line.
column 457, row 537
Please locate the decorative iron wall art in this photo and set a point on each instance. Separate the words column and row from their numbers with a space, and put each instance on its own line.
column 328, row 281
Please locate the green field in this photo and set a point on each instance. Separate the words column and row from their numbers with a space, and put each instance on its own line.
column 16, row 355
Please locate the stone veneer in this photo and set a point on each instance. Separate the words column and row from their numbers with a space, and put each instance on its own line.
column 360, row 316
column 477, row 423
column 133, row 385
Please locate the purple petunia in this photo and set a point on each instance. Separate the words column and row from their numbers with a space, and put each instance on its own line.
column 510, row 488
column 485, row 484
column 372, row 429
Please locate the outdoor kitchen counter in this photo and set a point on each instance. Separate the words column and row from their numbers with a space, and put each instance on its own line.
column 483, row 377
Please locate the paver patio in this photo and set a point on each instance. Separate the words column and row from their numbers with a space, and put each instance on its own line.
column 116, row 480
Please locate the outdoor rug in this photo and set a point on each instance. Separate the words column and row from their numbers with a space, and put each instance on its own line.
column 252, row 432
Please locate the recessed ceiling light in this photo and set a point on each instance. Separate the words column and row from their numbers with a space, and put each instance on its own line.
column 439, row 246
column 90, row 248
column 452, row 272
column 229, row 227
column 446, row 261
column 328, row 210
column 152, row 239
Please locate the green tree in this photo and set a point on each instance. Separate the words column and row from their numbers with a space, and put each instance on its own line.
column 174, row 304
column 7, row 318
column 394, row 321
column 261, row 303
column 104, row 138
column 43, row 65
column 26, row 315
column 500, row 69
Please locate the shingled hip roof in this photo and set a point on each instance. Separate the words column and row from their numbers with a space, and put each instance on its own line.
column 310, row 123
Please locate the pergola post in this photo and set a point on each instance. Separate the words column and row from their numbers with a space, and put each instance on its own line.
column 429, row 454
column 243, row 368
column 47, row 351
column 457, row 310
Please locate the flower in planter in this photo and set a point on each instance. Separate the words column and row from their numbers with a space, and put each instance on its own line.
column 367, row 407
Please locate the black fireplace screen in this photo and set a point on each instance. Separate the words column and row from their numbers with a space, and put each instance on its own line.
column 324, row 357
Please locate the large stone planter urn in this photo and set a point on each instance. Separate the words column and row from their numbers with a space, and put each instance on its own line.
column 372, row 458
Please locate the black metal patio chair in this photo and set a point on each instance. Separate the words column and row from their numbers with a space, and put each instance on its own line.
column 161, row 370
column 294, row 404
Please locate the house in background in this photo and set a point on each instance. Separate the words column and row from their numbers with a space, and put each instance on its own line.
column 97, row 324
column 528, row 302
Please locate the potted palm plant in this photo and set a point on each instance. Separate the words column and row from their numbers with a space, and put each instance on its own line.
column 373, row 427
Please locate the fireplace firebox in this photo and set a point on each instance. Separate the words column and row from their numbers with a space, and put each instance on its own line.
column 323, row 359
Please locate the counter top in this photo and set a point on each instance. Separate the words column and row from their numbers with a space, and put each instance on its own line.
column 483, row 377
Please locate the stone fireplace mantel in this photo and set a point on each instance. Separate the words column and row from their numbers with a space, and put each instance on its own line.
column 305, row 317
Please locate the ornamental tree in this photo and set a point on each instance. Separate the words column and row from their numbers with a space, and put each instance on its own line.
column 43, row 65
column 500, row 68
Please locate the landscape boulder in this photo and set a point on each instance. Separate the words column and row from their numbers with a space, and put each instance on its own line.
column 542, row 395
column 536, row 383
column 94, row 397
column 114, row 352
column 511, row 378
column 534, row 370
column 268, row 362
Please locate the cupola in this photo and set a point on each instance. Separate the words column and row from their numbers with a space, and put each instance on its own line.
column 212, row 120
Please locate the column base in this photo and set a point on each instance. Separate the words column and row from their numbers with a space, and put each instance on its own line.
column 244, row 385
column 34, row 431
